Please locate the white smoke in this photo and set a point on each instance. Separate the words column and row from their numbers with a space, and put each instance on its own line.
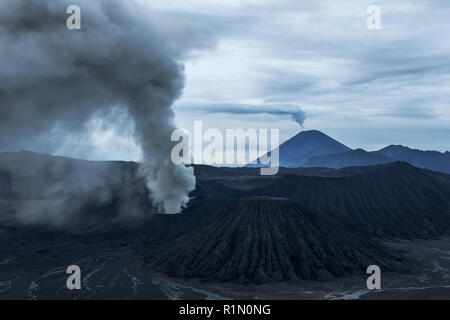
column 124, row 56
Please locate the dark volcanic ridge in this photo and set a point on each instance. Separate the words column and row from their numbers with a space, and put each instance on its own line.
column 358, row 157
column 394, row 200
column 268, row 239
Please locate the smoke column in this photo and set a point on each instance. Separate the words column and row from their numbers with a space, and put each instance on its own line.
column 299, row 117
column 124, row 56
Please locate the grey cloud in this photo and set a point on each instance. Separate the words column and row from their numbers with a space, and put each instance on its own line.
column 386, row 68
column 320, row 54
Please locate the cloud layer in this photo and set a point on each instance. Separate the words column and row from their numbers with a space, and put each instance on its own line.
column 366, row 87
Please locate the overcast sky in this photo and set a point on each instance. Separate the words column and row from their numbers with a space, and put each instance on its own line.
column 366, row 88
column 267, row 62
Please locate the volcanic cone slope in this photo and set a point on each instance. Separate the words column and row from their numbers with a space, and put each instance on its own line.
column 264, row 239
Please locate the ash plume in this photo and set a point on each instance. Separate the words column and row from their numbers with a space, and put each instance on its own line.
column 299, row 117
column 124, row 56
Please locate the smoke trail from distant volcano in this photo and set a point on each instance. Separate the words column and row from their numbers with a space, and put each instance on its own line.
column 53, row 79
column 297, row 115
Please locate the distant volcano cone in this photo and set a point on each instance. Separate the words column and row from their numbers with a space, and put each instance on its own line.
column 263, row 239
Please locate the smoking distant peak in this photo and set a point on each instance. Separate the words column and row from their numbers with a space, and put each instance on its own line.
column 124, row 55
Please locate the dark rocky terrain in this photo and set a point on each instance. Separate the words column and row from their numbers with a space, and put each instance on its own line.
column 265, row 239
column 394, row 200
column 304, row 223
